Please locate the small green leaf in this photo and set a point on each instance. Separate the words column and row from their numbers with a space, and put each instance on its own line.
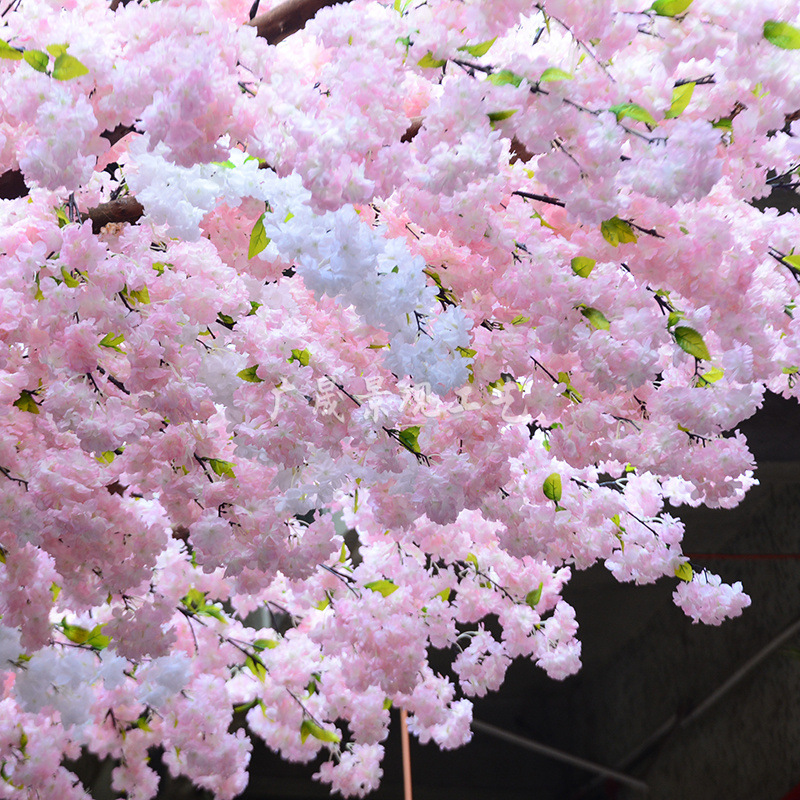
column 429, row 62
column 256, row 666
column 670, row 8
column 616, row 231
column 790, row 370
column 382, row 587
column 497, row 116
column 61, row 216
column 265, row 644
column 681, row 95
column 226, row 320
column 222, row 468
column 68, row 67
column 75, row 633
column 37, row 59
column 106, row 457
column 249, row 375
column 472, row 559
column 552, row 487
column 142, row 723
column 782, row 34
column 634, row 111
column 408, row 438
column 387, row 703
column 691, row 342
column 504, row 77
column 56, row 50
column 258, row 238
column 520, row 319
column 712, row 376
column 96, row 639
column 583, row 266
column 792, row 261
column 726, row 124
column 25, row 402
column 55, row 591
column 478, row 50
column 596, row 318
column 225, row 164
column 310, row 728
column 444, row 594
column 69, row 279
column 534, row 596
column 141, row 295
column 112, row 341
column 674, row 318
column 301, row 356
column 684, row 571
column 9, row 52
column 555, row 74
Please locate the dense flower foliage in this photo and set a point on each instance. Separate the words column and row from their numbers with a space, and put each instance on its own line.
column 478, row 282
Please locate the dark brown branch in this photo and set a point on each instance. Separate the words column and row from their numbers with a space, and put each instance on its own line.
column 288, row 18
column 126, row 209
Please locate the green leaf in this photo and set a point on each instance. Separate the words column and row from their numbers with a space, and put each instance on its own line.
column 583, row 266
column 69, row 279
column 670, row 8
column 472, row 559
column 61, row 216
column 382, row 587
column 37, row 59
column 480, row 49
column 497, row 116
column 25, row 402
column 141, row 295
column 596, row 318
column 504, row 77
column 782, row 34
column 310, row 728
column 429, row 62
column 444, row 594
column 408, row 438
column 533, row 597
column 222, row 468
column 75, row 633
column 681, row 95
column 387, row 703
column 68, row 67
column 249, row 375
column 225, row 164
column 226, row 320
column 160, row 266
column 552, row 487
column 712, row 376
column 9, row 52
column 790, row 370
column 302, row 356
column 112, row 341
column 56, row 50
column 258, row 238
column 520, row 319
column 256, row 666
column 725, row 123
column 555, row 74
column 634, row 111
column 674, row 318
column 265, row 644
column 691, row 342
column 616, row 231
column 106, row 457
column 792, row 261
column 96, row 639
column 684, row 571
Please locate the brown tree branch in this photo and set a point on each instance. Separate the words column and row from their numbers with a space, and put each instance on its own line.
column 288, row 18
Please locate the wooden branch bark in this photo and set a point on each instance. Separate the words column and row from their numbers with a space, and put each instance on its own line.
column 288, row 18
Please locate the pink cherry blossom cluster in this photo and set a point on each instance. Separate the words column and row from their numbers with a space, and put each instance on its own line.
column 417, row 312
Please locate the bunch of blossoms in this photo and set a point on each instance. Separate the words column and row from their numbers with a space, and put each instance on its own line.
column 480, row 283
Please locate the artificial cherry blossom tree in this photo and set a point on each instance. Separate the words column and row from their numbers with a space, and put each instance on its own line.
column 479, row 282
